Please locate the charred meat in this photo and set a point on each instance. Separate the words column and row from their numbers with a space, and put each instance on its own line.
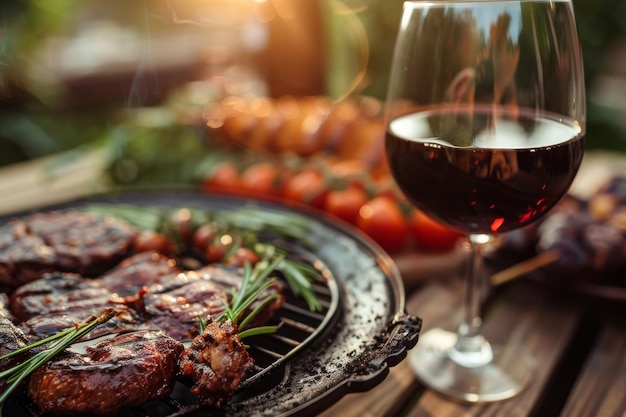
column 125, row 371
column 217, row 361
column 11, row 338
column 57, row 292
column 138, row 271
column 23, row 257
column 58, row 300
column 176, row 305
column 72, row 241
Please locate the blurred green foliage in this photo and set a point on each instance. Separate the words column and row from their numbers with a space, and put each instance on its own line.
column 601, row 26
column 31, row 127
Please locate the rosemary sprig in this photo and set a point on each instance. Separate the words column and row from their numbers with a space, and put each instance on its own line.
column 255, row 281
column 299, row 276
column 244, row 224
column 55, row 345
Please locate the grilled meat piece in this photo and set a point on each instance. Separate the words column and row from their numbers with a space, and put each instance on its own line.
column 70, row 241
column 176, row 305
column 23, row 257
column 85, row 243
column 138, row 271
column 40, row 327
column 125, row 371
column 11, row 338
column 57, row 292
column 58, row 300
column 217, row 361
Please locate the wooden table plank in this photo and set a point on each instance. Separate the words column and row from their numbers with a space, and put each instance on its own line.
column 600, row 389
column 523, row 314
column 51, row 180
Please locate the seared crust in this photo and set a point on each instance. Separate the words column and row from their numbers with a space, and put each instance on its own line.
column 126, row 371
column 138, row 271
column 11, row 338
column 217, row 361
column 71, row 241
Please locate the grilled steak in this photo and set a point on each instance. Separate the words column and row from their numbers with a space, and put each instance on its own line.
column 138, row 271
column 70, row 241
column 126, row 371
column 11, row 338
column 57, row 292
column 23, row 257
column 176, row 305
column 58, row 300
column 216, row 361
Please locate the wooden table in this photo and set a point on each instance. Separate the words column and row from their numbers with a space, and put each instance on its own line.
column 579, row 345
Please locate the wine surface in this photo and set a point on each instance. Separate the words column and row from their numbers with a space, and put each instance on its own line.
column 483, row 174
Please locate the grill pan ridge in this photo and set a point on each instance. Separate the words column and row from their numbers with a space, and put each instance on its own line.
column 315, row 357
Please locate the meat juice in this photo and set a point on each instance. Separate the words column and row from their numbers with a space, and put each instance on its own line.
column 479, row 173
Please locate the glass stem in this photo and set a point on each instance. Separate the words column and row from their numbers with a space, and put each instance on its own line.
column 471, row 349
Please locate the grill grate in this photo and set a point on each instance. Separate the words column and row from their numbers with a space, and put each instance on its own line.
column 297, row 328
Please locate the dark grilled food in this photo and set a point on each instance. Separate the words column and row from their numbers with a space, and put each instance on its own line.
column 23, row 257
column 57, row 292
column 58, row 300
column 176, row 305
column 61, row 267
column 11, row 338
column 128, row 370
column 70, row 241
column 138, row 271
column 217, row 361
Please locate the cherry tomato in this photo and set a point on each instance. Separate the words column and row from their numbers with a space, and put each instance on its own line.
column 223, row 177
column 181, row 224
column 346, row 203
column 382, row 219
column 261, row 179
column 204, row 236
column 241, row 256
column 149, row 240
column 351, row 171
column 307, row 186
column 430, row 235
column 216, row 251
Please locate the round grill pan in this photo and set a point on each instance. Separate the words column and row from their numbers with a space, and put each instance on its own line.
column 349, row 347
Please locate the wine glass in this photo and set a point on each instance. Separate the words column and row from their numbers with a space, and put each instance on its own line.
column 485, row 118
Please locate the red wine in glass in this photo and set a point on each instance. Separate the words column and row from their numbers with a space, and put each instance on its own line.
column 480, row 176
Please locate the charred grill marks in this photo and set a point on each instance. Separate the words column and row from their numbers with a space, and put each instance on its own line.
column 62, row 267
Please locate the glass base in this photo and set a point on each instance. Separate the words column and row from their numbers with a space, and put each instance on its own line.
column 504, row 376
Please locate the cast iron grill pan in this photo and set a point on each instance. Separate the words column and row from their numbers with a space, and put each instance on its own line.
column 315, row 357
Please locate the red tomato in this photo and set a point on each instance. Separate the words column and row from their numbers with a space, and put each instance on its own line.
column 346, row 203
column 430, row 235
column 223, row 177
column 307, row 186
column 382, row 220
column 216, row 251
column 204, row 236
column 262, row 179
column 149, row 240
column 241, row 256
column 351, row 171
